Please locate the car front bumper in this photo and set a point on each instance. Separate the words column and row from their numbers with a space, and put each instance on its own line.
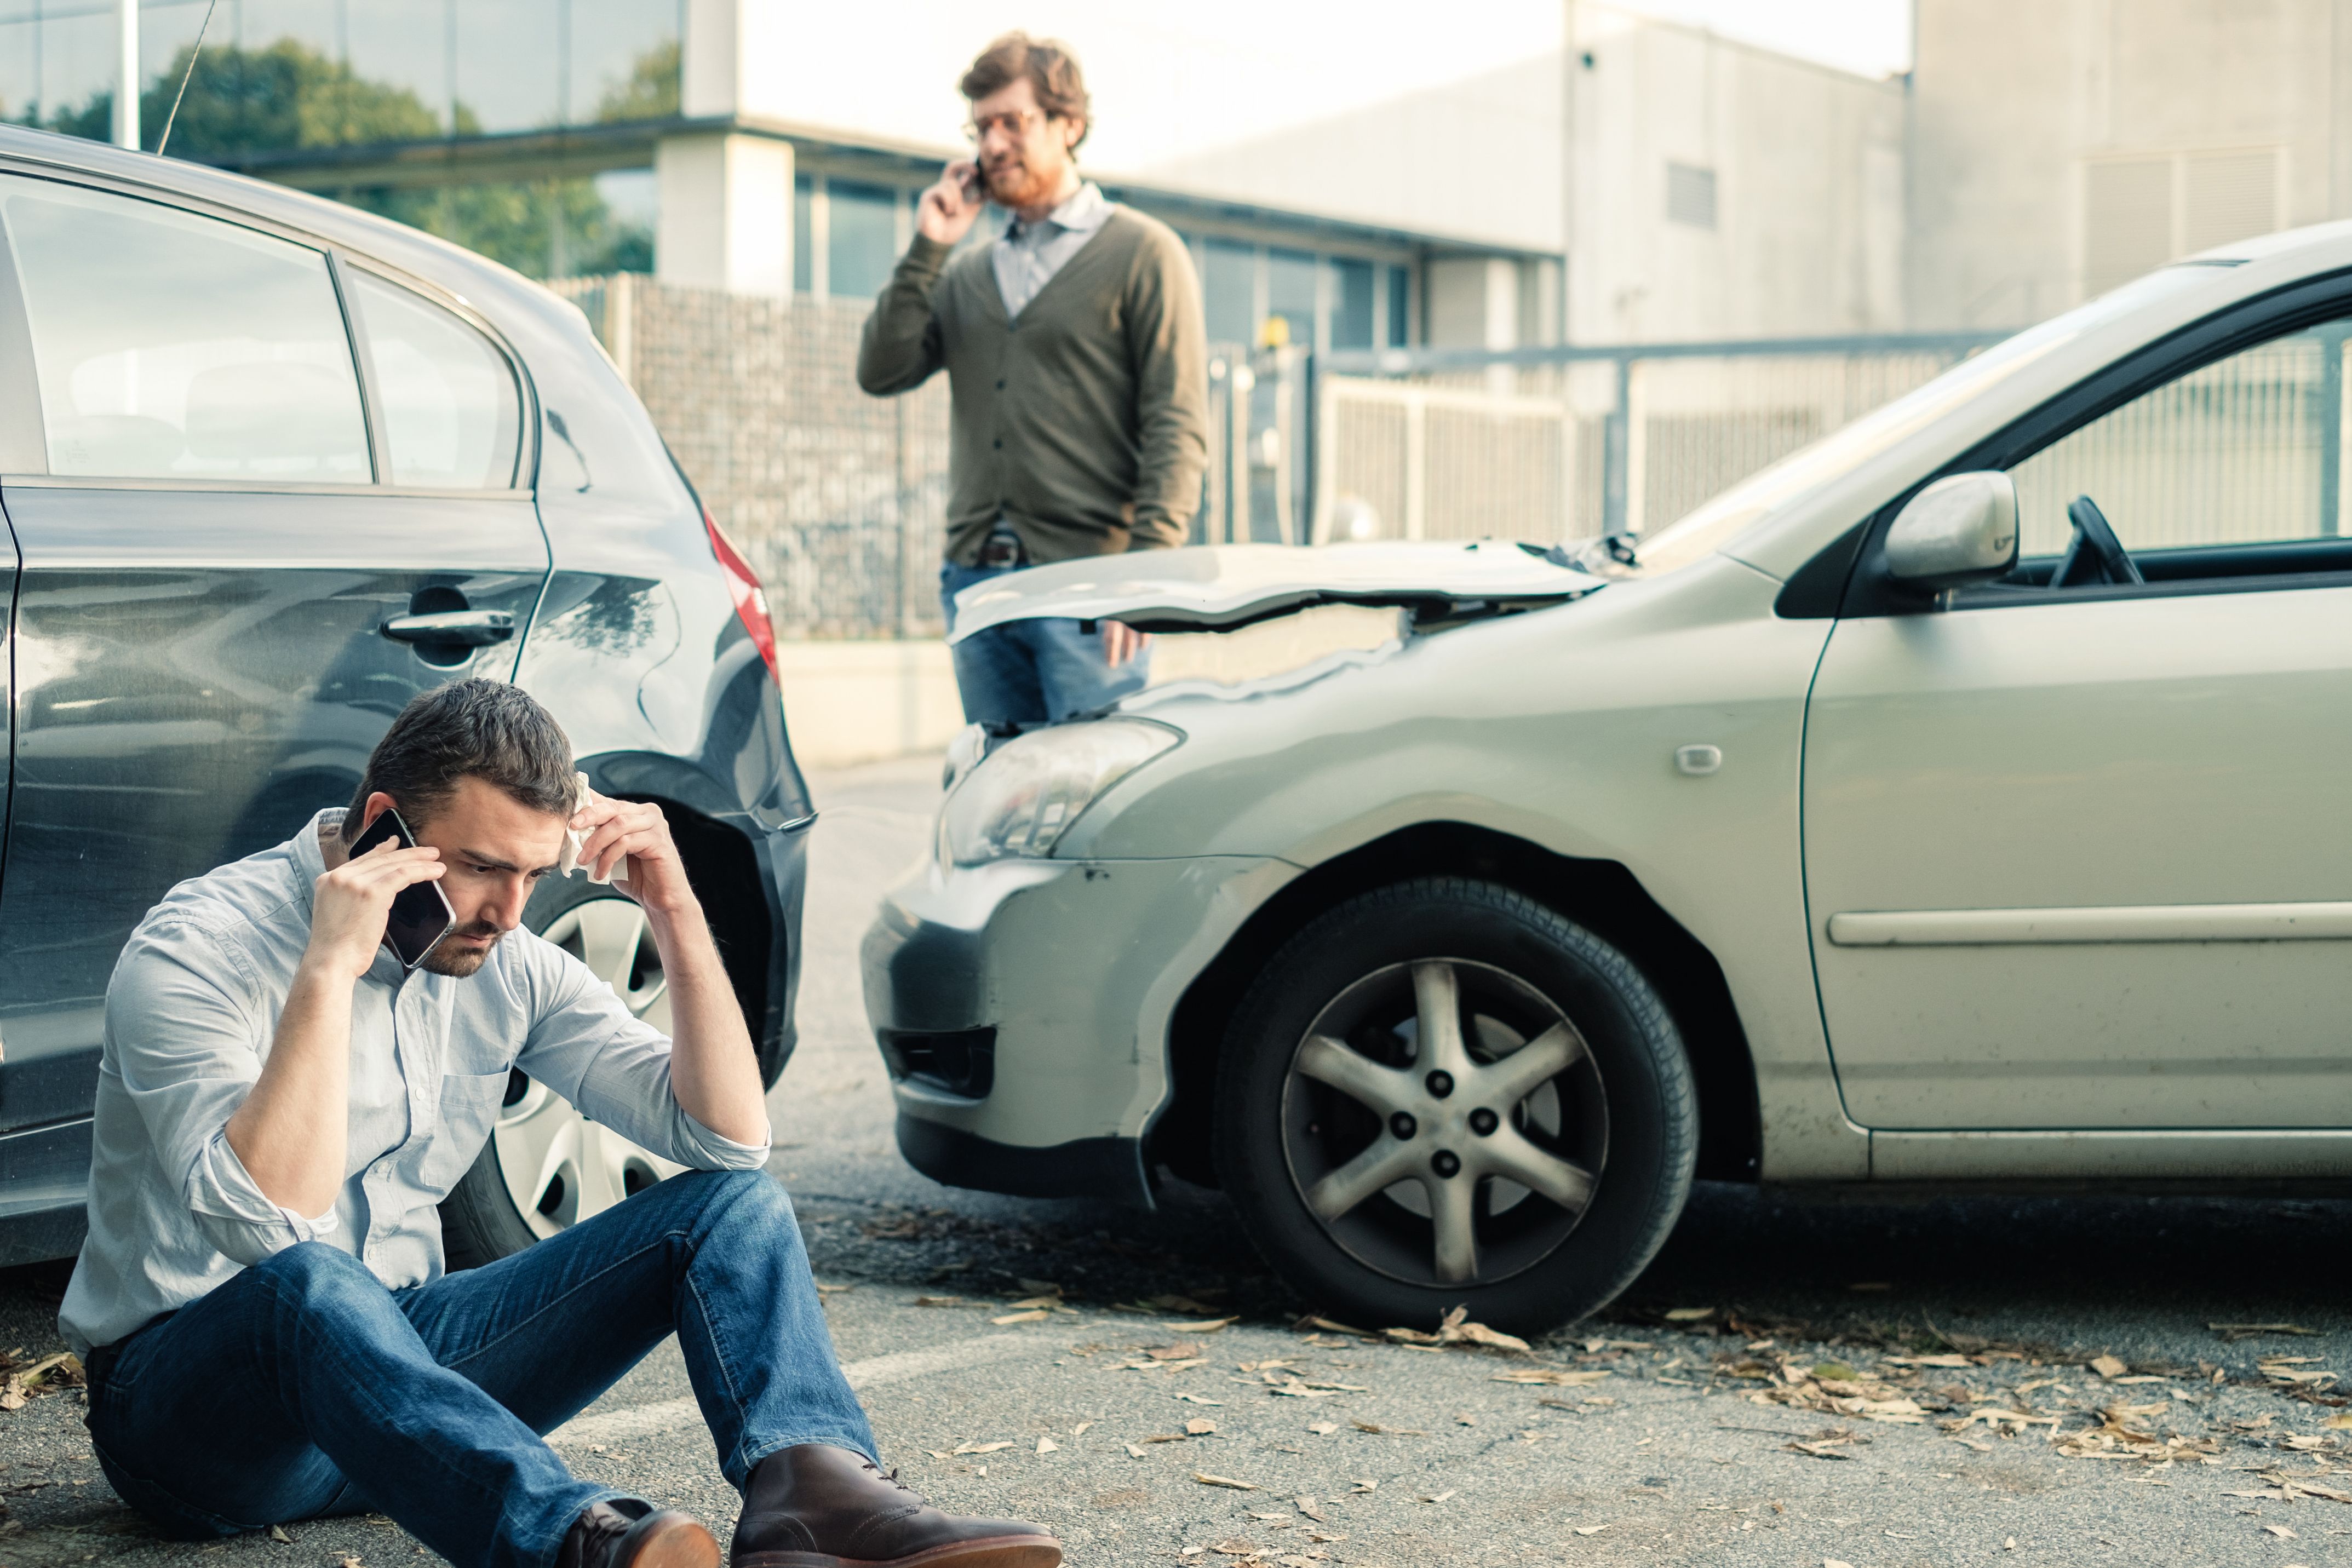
column 1022, row 1007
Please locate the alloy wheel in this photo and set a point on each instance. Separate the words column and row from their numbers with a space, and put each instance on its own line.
column 559, row 1167
column 1444, row 1122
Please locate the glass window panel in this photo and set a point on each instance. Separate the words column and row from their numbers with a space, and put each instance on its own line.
column 257, row 24
column 862, row 244
column 804, row 235
column 400, row 63
column 76, row 67
column 2230, row 454
column 1290, row 292
column 449, row 404
column 509, row 63
column 20, row 72
column 172, row 346
column 1399, row 307
column 1229, row 292
column 1351, row 304
column 624, row 61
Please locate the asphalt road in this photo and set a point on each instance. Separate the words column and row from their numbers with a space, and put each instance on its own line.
column 1919, row 1350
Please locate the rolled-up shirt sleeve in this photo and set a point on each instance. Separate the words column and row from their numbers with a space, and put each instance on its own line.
column 190, row 1046
column 615, row 1068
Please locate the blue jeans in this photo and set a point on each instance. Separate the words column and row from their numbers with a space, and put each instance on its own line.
column 1033, row 671
column 303, row 1388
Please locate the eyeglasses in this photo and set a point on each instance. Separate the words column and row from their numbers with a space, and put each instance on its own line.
column 1015, row 123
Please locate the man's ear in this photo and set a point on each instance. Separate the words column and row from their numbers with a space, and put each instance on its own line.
column 377, row 804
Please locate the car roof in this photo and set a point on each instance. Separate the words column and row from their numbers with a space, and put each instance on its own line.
column 499, row 292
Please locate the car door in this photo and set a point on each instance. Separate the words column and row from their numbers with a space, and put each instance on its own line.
column 2078, row 857
column 244, row 548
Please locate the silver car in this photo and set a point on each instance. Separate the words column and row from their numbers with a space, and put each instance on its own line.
column 1958, row 801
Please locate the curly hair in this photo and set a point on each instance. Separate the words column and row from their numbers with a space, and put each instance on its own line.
column 1052, row 69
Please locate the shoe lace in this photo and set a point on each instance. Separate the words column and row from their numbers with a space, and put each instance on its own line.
column 890, row 1475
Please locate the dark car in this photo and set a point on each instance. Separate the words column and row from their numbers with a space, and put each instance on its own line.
column 271, row 466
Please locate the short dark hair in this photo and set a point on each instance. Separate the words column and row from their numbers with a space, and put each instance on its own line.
column 468, row 729
column 1053, row 72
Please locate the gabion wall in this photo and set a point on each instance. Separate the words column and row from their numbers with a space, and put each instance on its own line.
column 837, row 498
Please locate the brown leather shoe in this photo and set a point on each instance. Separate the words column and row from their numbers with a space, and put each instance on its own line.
column 606, row 1537
column 820, row 1507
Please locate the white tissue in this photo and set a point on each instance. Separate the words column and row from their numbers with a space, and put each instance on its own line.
column 574, row 841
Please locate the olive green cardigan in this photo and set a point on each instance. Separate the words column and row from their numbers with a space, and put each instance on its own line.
column 1085, row 421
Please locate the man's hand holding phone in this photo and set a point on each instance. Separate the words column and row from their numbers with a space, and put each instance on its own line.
column 351, row 903
column 946, row 212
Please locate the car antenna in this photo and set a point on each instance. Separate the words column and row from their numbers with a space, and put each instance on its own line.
column 165, row 140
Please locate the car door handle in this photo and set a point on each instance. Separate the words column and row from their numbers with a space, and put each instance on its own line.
column 464, row 628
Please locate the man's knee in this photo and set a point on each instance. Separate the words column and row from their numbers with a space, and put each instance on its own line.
column 315, row 1275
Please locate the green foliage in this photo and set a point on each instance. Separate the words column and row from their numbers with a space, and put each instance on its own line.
column 651, row 91
column 288, row 95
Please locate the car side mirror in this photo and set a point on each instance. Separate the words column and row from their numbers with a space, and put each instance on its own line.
column 1958, row 531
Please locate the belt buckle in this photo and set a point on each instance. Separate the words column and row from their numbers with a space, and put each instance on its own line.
column 998, row 553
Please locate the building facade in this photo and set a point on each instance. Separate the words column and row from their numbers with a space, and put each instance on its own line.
column 2059, row 147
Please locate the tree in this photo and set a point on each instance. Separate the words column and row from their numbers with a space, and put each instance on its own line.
column 288, row 95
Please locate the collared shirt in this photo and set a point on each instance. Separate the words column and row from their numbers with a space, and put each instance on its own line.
column 191, row 1014
column 1027, row 255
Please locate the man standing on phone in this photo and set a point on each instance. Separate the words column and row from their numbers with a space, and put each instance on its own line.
column 1077, row 372
column 282, row 1102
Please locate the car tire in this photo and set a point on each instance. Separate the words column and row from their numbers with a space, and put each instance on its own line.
column 546, row 1167
column 1392, row 1200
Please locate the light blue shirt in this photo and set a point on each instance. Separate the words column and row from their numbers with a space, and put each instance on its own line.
column 191, row 1013
column 1027, row 255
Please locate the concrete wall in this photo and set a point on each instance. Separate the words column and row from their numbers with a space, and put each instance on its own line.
column 1807, row 172
column 1478, row 159
column 2059, row 146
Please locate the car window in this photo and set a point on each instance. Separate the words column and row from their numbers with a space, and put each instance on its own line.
column 451, row 413
column 2241, row 451
column 172, row 346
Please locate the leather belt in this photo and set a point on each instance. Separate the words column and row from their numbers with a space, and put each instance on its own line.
column 1000, row 552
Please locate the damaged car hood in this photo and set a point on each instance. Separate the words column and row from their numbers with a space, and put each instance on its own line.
column 1221, row 588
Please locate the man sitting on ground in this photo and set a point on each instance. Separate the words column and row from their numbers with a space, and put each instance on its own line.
column 261, row 1303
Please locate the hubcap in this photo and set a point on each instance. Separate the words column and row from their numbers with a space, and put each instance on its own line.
column 559, row 1167
column 1444, row 1122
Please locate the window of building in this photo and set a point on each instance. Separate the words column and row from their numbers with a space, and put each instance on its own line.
column 1290, row 293
column 447, row 395
column 1690, row 195
column 2141, row 211
column 1351, row 304
column 1399, row 307
column 173, row 346
column 1229, row 291
column 862, row 238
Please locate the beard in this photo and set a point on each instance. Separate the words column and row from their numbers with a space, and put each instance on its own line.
column 1012, row 183
column 459, row 963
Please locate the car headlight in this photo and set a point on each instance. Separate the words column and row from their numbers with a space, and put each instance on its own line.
column 1025, row 795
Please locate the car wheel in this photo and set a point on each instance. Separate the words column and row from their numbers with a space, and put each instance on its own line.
column 547, row 1168
column 1443, row 1094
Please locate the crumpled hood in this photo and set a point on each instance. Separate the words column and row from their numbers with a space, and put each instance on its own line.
column 1220, row 588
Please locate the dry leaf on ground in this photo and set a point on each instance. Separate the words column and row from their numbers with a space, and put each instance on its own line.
column 1198, row 1426
column 1029, row 1317
column 1047, row 1446
column 1207, row 1479
column 1689, row 1315
column 2108, row 1366
column 1550, row 1377
column 1212, row 1326
column 981, row 1448
column 2247, row 1331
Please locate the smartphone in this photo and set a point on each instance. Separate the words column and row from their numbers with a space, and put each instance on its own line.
column 421, row 915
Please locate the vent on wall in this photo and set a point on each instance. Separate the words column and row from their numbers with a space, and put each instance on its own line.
column 1690, row 195
column 2141, row 212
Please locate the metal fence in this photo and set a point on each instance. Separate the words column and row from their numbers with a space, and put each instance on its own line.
column 1569, row 441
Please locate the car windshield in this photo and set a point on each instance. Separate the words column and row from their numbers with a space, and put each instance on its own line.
column 1710, row 527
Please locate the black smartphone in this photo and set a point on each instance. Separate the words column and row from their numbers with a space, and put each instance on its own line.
column 421, row 915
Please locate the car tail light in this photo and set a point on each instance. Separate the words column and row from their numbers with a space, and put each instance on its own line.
column 750, row 599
